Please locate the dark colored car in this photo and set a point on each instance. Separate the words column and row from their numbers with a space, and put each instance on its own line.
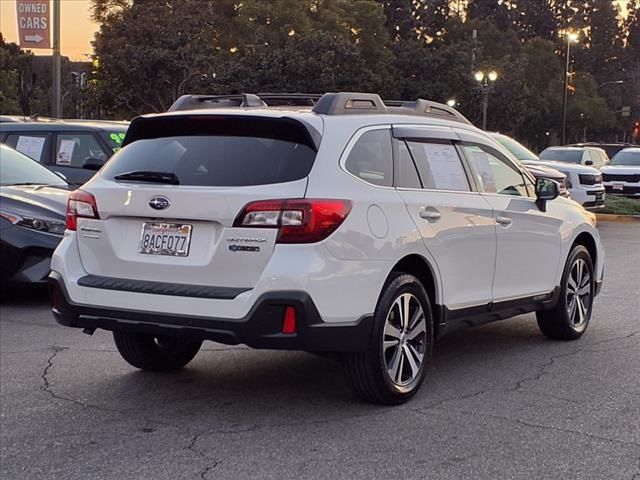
column 33, row 203
column 75, row 148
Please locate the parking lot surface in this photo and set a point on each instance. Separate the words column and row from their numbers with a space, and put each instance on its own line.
column 501, row 402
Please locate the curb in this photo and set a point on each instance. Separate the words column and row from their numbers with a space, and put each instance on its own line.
column 609, row 217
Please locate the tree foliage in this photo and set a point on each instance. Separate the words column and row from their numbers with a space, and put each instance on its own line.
column 150, row 52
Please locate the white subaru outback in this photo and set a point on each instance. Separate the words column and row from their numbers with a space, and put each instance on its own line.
column 355, row 226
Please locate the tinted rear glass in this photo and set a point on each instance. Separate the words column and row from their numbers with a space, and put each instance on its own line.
column 568, row 156
column 216, row 151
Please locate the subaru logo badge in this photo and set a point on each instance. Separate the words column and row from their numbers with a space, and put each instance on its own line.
column 159, row 203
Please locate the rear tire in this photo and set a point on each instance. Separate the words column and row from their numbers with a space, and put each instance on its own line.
column 160, row 354
column 570, row 317
column 393, row 368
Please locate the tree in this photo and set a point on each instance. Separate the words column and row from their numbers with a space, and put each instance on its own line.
column 150, row 53
column 400, row 22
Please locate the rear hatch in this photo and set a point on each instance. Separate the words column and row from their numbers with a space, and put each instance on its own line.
column 167, row 201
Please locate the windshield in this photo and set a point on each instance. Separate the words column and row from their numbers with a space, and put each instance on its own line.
column 114, row 138
column 518, row 150
column 18, row 169
column 626, row 158
column 561, row 155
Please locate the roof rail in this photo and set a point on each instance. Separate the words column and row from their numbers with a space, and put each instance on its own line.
column 244, row 100
column 341, row 103
column 195, row 102
column 358, row 103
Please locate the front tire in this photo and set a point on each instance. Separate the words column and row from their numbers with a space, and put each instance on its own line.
column 393, row 368
column 569, row 318
column 160, row 354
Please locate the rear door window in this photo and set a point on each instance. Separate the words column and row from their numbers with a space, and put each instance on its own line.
column 406, row 173
column 217, row 151
column 33, row 145
column 439, row 165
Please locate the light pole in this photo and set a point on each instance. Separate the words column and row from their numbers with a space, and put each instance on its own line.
column 486, row 86
column 571, row 38
column 612, row 82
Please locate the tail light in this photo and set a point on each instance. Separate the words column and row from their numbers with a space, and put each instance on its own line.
column 298, row 221
column 80, row 204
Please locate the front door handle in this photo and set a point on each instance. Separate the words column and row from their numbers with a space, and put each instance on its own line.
column 431, row 215
column 504, row 221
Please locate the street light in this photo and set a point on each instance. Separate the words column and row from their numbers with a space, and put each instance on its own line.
column 613, row 82
column 572, row 37
column 451, row 102
column 486, row 87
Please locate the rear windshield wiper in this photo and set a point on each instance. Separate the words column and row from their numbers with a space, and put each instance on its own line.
column 147, row 176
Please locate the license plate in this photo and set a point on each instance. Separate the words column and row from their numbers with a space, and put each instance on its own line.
column 618, row 186
column 170, row 239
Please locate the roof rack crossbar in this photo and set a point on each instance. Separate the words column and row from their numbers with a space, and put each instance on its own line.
column 195, row 102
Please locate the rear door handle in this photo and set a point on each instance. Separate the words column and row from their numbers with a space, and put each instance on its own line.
column 432, row 215
column 504, row 221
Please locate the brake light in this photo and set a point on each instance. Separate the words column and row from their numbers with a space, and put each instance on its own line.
column 80, row 204
column 298, row 221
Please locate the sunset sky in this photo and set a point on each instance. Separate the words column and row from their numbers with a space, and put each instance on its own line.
column 77, row 28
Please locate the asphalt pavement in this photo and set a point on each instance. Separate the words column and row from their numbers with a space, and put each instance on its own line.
column 501, row 402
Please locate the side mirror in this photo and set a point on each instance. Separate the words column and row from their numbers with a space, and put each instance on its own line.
column 588, row 163
column 92, row 163
column 546, row 190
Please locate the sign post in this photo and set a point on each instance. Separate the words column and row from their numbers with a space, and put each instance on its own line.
column 55, row 97
column 33, row 23
column 34, row 31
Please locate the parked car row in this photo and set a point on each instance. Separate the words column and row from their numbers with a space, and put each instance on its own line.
column 75, row 148
column 33, row 202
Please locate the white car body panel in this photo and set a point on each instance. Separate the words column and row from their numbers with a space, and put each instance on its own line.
column 473, row 260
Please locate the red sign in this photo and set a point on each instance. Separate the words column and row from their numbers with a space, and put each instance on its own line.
column 33, row 23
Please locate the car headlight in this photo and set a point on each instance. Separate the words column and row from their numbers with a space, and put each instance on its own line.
column 46, row 225
column 589, row 179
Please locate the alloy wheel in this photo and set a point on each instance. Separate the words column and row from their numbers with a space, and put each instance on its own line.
column 404, row 340
column 578, row 293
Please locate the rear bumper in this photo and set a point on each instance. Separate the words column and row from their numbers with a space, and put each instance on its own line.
column 260, row 328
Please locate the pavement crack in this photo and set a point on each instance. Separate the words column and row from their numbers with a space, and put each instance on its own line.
column 453, row 399
column 47, row 387
column 211, row 463
column 541, row 370
column 550, row 427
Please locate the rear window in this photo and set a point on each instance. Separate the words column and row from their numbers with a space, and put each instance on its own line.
column 217, row 151
column 567, row 156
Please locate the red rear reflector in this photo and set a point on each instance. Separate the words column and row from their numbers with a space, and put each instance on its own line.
column 289, row 322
